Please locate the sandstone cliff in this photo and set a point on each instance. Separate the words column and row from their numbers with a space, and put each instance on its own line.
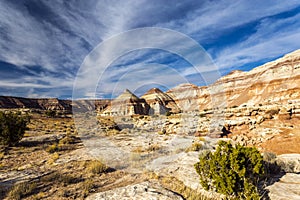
column 274, row 82
column 190, row 97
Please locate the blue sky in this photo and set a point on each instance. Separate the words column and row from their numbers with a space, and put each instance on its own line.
column 43, row 43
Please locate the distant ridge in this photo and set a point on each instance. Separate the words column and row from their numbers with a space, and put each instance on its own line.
column 51, row 103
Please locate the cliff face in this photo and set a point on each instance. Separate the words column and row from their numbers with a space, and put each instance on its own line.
column 190, row 97
column 273, row 82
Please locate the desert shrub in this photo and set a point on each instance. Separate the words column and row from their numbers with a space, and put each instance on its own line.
column 12, row 127
column 21, row 190
column 96, row 167
column 231, row 170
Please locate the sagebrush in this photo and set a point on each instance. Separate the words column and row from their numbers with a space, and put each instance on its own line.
column 234, row 171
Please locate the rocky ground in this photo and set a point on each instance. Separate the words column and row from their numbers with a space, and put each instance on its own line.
column 151, row 157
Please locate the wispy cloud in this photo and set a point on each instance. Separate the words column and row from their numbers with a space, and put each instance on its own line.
column 50, row 39
column 270, row 38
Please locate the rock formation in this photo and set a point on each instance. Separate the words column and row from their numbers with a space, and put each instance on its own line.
column 274, row 82
column 126, row 104
column 187, row 96
column 159, row 102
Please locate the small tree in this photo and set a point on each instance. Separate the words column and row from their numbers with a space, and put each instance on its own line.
column 12, row 128
column 231, row 170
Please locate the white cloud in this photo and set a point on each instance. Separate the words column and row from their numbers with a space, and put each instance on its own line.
column 269, row 41
column 217, row 16
column 139, row 75
column 60, row 42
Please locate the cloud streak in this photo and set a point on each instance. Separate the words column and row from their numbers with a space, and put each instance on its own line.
column 50, row 39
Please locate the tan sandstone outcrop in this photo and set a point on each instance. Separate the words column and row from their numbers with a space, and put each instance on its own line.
column 126, row 104
column 159, row 102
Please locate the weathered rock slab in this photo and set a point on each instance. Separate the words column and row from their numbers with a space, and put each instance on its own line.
column 289, row 162
column 144, row 190
column 288, row 187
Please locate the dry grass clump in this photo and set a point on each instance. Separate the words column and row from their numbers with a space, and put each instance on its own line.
column 135, row 156
column 178, row 186
column 61, row 178
column 196, row 146
column 138, row 149
column 111, row 132
column 38, row 196
column 21, row 190
column 87, row 187
column 96, row 167
column 201, row 139
column 53, row 158
column 150, row 148
column 2, row 154
column 153, row 147
column 68, row 139
column 52, row 148
column 66, row 143
column 269, row 157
